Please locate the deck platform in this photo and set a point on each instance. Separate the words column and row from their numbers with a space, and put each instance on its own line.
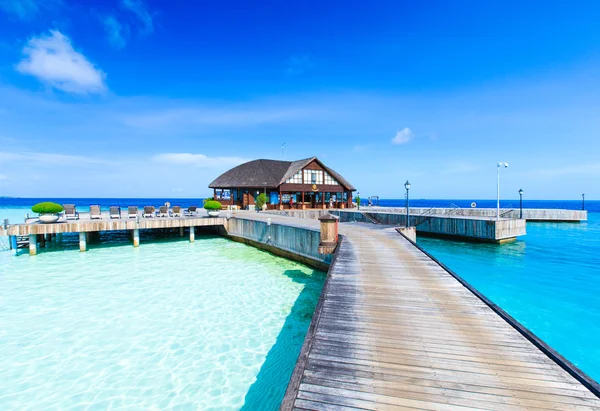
column 394, row 330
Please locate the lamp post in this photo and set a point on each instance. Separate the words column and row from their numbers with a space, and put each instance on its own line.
column 582, row 202
column 505, row 165
column 407, row 186
column 358, row 199
column 520, row 203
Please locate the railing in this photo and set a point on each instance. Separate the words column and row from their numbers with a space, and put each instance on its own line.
column 506, row 210
column 4, row 246
column 456, row 210
column 370, row 218
column 424, row 217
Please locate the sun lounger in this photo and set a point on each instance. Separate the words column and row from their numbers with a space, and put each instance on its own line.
column 95, row 212
column 114, row 212
column 70, row 212
column 163, row 211
column 176, row 211
column 132, row 212
column 192, row 211
column 148, row 211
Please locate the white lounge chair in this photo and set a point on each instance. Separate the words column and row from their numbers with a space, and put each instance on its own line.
column 192, row 211
column 114, row 212
column 148, row 211
column 132, row 212
column 70, row 212
column 176, row 211
column 163, row 211
column 95, row 212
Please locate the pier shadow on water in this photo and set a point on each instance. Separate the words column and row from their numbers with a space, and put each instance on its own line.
column 267, row 392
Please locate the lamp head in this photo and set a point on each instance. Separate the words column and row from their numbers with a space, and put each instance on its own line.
column 520, row 191
column 407, row 185
column 502, row 164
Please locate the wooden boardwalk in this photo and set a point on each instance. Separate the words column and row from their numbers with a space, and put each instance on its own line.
column 393, row 330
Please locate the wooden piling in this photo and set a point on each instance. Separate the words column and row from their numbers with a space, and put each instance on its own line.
column 82, row 242
column 136, row 237
column 192, row 234
column 32, row 244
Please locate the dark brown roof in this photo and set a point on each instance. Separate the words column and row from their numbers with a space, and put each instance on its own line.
column 268, row 174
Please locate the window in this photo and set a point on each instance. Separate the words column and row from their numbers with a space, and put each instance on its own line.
column 296, row 178
column 313, row 177
column 223, row 194
column 330, row 180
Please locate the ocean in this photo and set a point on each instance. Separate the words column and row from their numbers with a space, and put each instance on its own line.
column 548, row 280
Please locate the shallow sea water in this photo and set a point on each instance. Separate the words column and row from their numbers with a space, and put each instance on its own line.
column 207, row 325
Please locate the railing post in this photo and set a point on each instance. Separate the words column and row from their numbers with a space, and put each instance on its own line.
column 329, row 234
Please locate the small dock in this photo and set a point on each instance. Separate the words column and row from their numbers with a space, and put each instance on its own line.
column 453, row 225
column 34, row 235
column 394, row 330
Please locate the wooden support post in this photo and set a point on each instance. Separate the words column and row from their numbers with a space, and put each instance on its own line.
column 181, row 231
column 192, row 234
column 82, row 241
column 136, row 237
column 42, row 240
column 32, row 244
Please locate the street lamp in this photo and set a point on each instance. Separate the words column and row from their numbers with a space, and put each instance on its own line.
column 505, row 165
column 583, row 202
column 358, row 199
column 520, row 203
column 407, row 186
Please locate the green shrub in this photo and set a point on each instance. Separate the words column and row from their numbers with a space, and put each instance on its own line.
column 47, row 208
column 212, row 205
column 261, row 200
column 208, row 199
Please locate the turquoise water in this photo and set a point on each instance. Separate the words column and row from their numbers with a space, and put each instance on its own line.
column 549, row 280
column 207, row 325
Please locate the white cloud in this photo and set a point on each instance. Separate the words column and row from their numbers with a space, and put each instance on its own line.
column 48, row 159
column 117, row 33
column 28, row 9
column 197, row 160
column 582, row 169
column 403, row 136
column 52, row 60
column 3, row 177
column 140, row 10
column 234, row 116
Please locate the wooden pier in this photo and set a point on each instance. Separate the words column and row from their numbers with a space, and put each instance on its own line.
column 394, row 330
column 37, row 233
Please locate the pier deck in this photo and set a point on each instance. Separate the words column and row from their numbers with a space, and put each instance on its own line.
column 394, row 330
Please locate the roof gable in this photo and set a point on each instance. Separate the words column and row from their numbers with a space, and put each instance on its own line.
column 269, row 173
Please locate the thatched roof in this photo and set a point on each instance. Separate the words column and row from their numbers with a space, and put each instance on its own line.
column 268, row 174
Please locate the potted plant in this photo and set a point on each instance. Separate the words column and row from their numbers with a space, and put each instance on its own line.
column 212, row 207
column 261, row 202
column 48, row 211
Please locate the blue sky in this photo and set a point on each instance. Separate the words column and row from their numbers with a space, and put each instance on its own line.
column 140, row 98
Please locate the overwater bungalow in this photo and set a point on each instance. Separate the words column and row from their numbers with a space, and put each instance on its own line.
column 302, row 184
